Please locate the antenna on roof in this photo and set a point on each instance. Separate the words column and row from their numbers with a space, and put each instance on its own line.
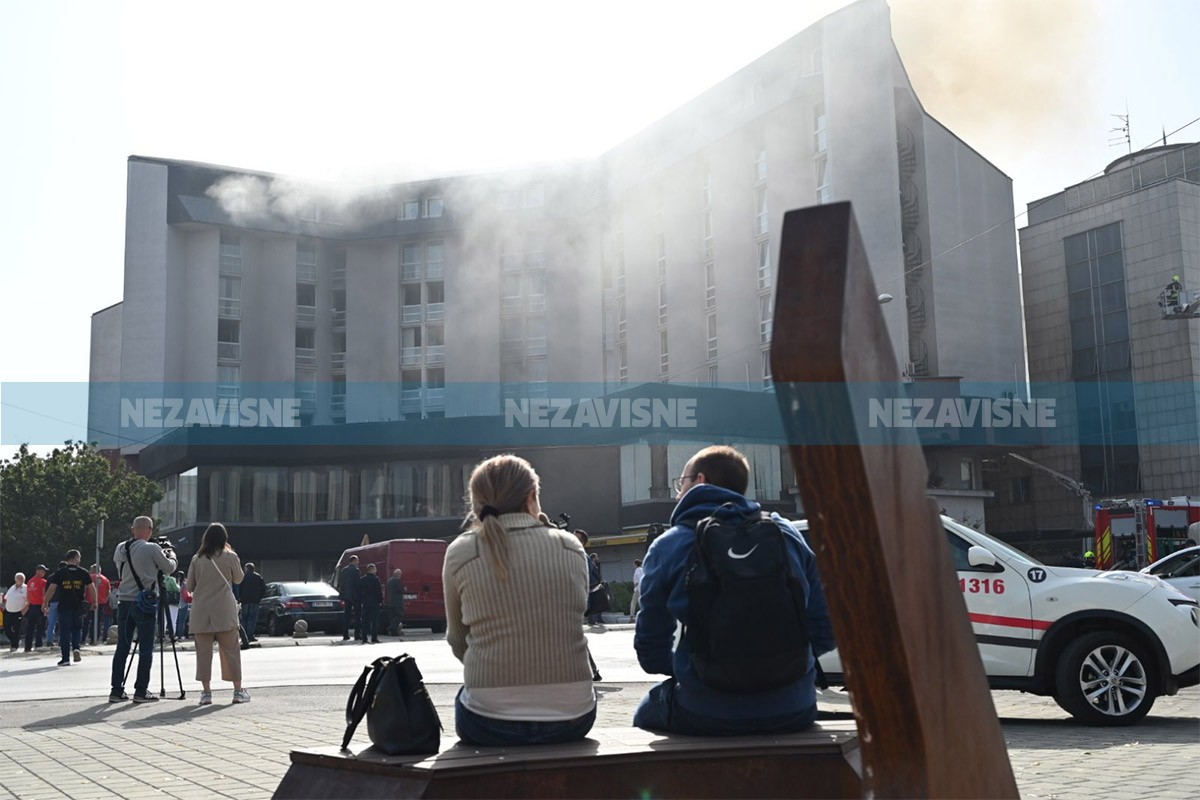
column 1123, row 132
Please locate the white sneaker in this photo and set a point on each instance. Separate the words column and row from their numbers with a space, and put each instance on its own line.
column 241, row 696
column 206, row 698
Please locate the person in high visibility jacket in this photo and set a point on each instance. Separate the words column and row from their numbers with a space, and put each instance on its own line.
column 1089, row 559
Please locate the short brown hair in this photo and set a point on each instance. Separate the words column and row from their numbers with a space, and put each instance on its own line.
column 723, row 466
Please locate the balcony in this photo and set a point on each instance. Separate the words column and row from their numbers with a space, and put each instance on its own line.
column 435, row 398
column 306, row 358
column 308, row 400
column 435, row 312
column 510, row 305
column 764, row 331
column 411, row 315
column 511, row 350
column 306, row 315
column 536, row 346
column 710, row 298
column 435, row 354
column 339, row 317
column 339, row 278
column 537, row 303
column 435, row 270
column 760, row 223
column 231, row 391
column 229, row 307
column 411, row 356
column 229, row 351
column 337, row 362
column 410, row 401
column 305, row 272
column 337, row 405
column 231, row 259
column 410, row 272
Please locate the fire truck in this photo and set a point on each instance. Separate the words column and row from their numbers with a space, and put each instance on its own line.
column 1131, row 534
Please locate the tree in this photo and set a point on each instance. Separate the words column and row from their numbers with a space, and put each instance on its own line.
column 51, row 504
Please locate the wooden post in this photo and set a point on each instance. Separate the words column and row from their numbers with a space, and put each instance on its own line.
column 926, row 723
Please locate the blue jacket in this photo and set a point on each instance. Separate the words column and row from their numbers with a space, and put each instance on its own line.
column 664, row 601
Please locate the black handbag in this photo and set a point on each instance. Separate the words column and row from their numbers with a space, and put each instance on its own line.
column 401, row 719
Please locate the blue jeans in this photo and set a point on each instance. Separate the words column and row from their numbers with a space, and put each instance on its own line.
column 126, row 624
column 658, row 711
column 70, row 627
column 181, row 621
column 249, row 619
column 484, row 731
column 52, row 623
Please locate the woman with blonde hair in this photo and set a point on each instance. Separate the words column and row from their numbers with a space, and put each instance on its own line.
column 214, row 615
column 516, row 589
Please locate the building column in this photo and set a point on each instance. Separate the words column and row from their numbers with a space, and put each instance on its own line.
column 660, row 480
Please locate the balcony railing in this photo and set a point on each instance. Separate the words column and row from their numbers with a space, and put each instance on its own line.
column 434, row 270
column 435, row 354
column 511, row 350
column 710, row 297
column 337, row 361
column 231, row 260
column 230, row 390
column 435, row 398
column 306, row 315
column 537, row 303
column 410, row 401
column 339, row 317
column 337, row 405
column 230, row 307
column 435, row 312
column 306, row 273
column 229, row 351
column 339, row 278
column 411, row 314
column 411, row 356
column 306, row 357
column 510, row 305
column 410, row 272
column 764, row 331
column 760, row 223
column 536, row 346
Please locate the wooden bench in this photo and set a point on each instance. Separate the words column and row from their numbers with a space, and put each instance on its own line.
column 611, row 762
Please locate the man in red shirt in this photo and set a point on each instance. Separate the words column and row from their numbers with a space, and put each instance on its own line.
column 34, row 621
column 103, row 587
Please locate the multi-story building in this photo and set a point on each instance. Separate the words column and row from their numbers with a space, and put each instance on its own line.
column 653, row 263
column 1095, row 257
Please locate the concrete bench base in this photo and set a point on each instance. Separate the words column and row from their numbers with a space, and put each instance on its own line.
column 611, row 762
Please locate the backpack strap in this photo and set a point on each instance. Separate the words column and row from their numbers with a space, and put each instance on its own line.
column 362, row 695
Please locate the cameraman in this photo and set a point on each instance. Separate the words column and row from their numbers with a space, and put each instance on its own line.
column 144, row 559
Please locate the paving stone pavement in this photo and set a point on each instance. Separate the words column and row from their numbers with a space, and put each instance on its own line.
column 87, row 748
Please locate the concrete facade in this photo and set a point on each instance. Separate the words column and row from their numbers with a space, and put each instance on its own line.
column 1154, row 200
column 654, row 262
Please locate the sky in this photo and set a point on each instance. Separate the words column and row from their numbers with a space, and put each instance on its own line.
column 371, row 92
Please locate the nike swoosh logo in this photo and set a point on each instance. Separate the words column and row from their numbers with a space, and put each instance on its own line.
column 743, row 555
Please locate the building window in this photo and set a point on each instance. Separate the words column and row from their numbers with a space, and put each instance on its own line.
column 433, row 207
column 623, row 364
column 760, row 166
column 707, row 220
column 410, row 209
column 229, row 297
column 1100, row 360
column 764, row 265
column 765, row 317
column 711, row 325
column 820, row 130
column 760, row 211
column 662, row 304
column 662, row 256
column 229, row 380
column 766, row 369
column 824, row 186
column 710, row 285
column 1020, row 490
column 231, row 253
column 664, row 358
column 229, row 337
column 410, row 262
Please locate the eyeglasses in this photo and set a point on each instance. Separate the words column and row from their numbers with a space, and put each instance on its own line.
column 678, row 482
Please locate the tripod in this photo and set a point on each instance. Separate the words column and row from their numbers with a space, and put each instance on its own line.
column 166, row 629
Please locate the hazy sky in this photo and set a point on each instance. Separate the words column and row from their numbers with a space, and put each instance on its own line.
column 383, row 91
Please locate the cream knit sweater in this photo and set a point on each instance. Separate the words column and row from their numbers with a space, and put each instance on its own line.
column 527, row 630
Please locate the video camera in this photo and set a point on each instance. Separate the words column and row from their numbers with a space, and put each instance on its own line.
column 168, row 547
column 564, row 522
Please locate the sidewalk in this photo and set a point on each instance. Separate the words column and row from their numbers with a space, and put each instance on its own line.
column 86, row 748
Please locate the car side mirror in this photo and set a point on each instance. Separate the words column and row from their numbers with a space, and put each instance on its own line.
column 980, row 557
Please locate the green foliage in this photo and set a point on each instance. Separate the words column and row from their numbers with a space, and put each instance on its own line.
column 622, row 592
column 51, row 504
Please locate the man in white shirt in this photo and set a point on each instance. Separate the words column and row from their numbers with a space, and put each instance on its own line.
column 15, row 601
column 637, row 587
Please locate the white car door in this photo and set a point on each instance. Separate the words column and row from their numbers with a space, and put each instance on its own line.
column 997, row 599
column 1181, row 570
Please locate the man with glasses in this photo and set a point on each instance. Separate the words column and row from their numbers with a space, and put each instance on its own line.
column 714, row 483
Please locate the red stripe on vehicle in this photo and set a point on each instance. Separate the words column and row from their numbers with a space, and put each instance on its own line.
column 1011, row 622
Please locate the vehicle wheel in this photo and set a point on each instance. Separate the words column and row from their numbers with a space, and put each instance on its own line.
column 438, row 627
column 1105, row 678
column 273, row 628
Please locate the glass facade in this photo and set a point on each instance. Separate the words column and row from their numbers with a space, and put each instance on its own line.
column 1100, row 360
column 332, row 492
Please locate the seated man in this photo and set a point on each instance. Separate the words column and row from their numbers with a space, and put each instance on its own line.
column 713, row 484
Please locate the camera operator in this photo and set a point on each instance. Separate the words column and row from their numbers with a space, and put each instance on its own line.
column 138, row 560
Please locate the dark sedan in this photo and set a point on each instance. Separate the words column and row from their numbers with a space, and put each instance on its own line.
column 315, row 602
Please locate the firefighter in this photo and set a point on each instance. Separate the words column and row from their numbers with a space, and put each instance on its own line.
column 1174, row 294
column 1089, row 560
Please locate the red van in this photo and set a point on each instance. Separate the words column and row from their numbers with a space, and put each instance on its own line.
column 421, row 562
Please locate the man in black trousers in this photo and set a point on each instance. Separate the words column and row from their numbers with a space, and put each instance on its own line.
column 348, row 591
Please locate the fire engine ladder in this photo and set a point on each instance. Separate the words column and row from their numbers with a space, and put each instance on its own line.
column 1141, row 534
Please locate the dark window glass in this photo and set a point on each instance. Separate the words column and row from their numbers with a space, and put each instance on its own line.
column 1078, row 277
column 1112, row 296
column 1083, row 362
column 1080, row 305
column 1116, row 327
column 1076, row 248
column 1083, row 333
column 1111, row 267
column 1107, row 239
column 1116, row 356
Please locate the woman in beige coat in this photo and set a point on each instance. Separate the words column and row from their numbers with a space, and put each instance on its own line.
column 211, row 576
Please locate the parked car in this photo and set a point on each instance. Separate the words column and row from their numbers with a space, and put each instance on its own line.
column 420, row 561
column 1104, row 645
column 1181, row 569
column 315, row 602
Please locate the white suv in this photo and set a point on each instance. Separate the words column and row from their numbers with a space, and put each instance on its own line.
column 1104, row 645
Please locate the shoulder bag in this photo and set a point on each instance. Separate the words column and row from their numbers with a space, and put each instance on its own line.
column 401, row 719
column 145, row 606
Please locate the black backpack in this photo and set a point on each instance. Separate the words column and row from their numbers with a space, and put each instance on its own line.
column 746, row 606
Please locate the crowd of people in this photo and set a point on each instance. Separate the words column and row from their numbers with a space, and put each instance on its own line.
column 518, row 592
